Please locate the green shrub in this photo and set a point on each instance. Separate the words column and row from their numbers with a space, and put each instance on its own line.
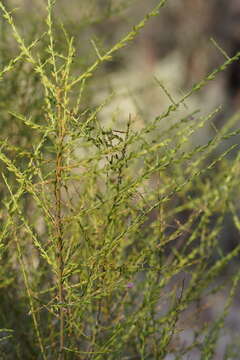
column 110, row 235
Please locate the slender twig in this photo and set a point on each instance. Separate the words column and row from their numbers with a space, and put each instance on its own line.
column 59, row 220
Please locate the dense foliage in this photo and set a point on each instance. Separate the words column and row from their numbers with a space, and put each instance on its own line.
column 111, row 232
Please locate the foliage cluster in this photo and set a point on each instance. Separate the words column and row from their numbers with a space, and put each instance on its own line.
column 110, row 236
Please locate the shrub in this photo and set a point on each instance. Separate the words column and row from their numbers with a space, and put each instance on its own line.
column 110, row 234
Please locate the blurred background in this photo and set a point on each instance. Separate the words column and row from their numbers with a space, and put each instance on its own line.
column 175, row 48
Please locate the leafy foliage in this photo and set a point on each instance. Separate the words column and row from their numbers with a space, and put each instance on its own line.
column 109, row 234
